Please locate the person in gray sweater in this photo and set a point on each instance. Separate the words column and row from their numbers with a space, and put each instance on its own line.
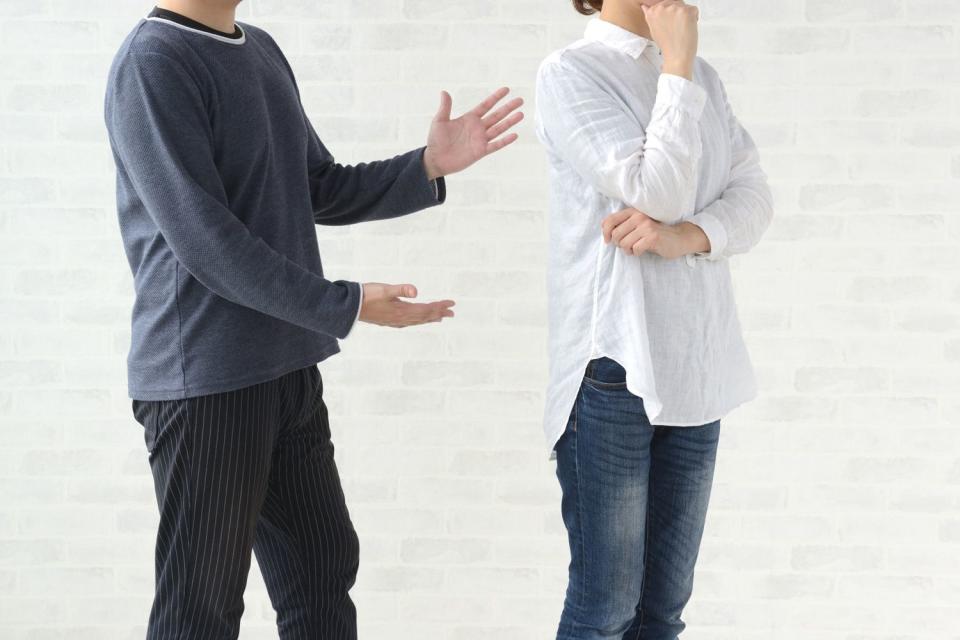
column 220, row 179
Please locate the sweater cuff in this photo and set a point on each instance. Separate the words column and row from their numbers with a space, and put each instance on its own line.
column 356, row 318
column 434, row 191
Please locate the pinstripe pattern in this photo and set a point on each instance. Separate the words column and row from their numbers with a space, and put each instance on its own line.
column 241, row 471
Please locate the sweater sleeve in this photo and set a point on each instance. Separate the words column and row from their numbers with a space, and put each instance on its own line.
column 378, row 190
column 159, row 129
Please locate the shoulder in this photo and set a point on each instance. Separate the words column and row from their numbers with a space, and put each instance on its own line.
column 151, row 38
column 154, row 60
column 573, row 60
column 267, row 44
column 154, row 50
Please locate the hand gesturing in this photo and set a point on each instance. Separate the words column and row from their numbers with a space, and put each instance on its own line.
column 454, row 145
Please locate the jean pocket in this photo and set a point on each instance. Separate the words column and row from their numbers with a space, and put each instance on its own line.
column 605, row 374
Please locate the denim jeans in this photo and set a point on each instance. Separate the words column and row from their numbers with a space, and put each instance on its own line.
column 634, row 502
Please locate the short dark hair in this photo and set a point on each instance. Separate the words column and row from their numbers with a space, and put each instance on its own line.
column 587, row 7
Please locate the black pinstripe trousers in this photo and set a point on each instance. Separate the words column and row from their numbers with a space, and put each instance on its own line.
column 241, row 471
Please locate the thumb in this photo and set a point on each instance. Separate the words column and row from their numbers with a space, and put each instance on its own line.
column 401, row 291
column 446, row 103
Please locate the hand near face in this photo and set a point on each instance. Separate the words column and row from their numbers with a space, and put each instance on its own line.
column 453, row 145
column 673, row 26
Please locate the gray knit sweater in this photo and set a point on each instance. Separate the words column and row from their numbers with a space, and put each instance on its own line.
column 220, row 181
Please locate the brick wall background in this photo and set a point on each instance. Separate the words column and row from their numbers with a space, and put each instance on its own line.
column 836, row 509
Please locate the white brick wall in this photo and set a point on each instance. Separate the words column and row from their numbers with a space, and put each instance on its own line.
column 836, row 510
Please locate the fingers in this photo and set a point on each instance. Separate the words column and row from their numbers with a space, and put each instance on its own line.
column 446, row 104
column 643, row 245
column 503, row 125
column 409, row 314
column 615, row 219
column 635, row 221
column 481, row 109
column 502, row 112
column 631, row 230
column 400, row 291
column 626, row 242
column 621, row 231
column 617, row 225
column 383, row 305
column 496, row 145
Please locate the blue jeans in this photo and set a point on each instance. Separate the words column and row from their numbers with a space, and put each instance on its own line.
column 634, row 502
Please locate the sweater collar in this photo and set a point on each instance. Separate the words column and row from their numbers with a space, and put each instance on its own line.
column 181, row 21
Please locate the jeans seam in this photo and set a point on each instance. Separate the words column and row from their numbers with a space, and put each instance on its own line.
column 576, row 463
column 646, row 550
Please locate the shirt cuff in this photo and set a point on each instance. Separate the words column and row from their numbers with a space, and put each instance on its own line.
column 715, row 233
column 357, row 318
column 681, row 93
column 439, row 189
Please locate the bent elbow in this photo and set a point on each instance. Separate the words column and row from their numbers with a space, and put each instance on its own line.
column 665, row 210
column 662, row 196
column 669, row 215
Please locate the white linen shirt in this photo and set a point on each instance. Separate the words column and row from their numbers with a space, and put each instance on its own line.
column 620, row 133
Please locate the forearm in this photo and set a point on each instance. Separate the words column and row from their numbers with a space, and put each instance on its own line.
column 735, row 222
column 379, row 190
column 693, row 240
column 664, row 170
column 248, row 272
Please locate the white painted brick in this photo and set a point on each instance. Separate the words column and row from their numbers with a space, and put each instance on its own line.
column 49, row 35
column 835, row 510
column 445, row 551
column 925, row 40
column 853, row 10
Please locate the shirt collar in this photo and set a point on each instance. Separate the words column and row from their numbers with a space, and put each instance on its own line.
column 617, row 37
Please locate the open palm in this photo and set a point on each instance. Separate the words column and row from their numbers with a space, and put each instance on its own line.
column 454, row 145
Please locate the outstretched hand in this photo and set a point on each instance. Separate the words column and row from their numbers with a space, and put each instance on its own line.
column 382, row 305
column 454, row 145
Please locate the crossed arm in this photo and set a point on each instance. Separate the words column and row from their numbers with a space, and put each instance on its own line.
column 653, row 170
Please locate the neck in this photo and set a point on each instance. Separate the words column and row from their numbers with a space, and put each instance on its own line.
column 219, row 15
column 625, row 17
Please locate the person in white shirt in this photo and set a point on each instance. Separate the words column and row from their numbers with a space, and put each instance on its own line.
column 654, row 185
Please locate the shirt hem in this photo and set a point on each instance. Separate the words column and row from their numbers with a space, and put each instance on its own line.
column 232, row 384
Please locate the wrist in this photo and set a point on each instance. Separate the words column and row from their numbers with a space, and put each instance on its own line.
column 678, row 66
column 694, row 239
column 429, row 165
